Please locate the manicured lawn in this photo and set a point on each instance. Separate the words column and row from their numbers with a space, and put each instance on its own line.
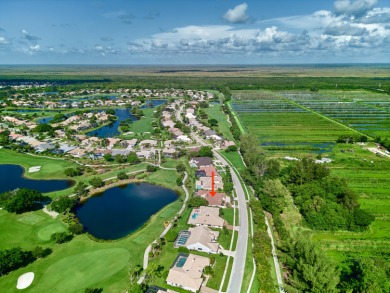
column 23, row 229
column 50, row 168
column 235, row 159
column 219, row 267
column 82, row 270
column 228, row 215
column 144, row 124
column 50, row 229
column 81, row 262
column 214, row 111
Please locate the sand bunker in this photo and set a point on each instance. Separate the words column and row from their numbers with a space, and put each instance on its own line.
column 34, row 169
column 25, row 280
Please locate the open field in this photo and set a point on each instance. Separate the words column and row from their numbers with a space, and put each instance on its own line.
column 214, row 111
column 371, row 182
column 311, row 121
column 305, row 123
column 144, row 123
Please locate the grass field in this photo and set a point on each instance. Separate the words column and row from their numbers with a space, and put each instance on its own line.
column 84, row 261
column 371, row 181
column 51, row 168
column 304, row 123
column 291, row 128
column 144, row 124
column 214, row 111
column 81, row 262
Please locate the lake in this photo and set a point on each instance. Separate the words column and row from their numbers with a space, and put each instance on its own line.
column 11, row 177
column 112, row 129
column 119, row 211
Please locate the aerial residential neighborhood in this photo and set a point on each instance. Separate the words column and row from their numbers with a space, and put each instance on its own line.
column 194, row 146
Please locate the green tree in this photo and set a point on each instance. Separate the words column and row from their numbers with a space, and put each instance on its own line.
column 276, row 192
column 197, row 201
column 181, row 168
column 39, row 252
column 21, row 200
column 205, row 151
column 132, row 158
column 60, row 237
column 81, row 189
column 13, row 259
column 72, row 172
column 311, row 270
column 63, row 204
column 212, row 122
column 96, row 182
column 93, row 290
column 151, row 168
column 76, row 229
column 120, row 159
column 43, row 127
column 122, row 175
column 110, row 111
column 108, row 157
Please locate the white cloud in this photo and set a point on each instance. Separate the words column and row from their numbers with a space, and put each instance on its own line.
column 237, row 14
column 104, row 50
column 354, row 7
column 377, row 15
column 3, row 41
column 28, row 36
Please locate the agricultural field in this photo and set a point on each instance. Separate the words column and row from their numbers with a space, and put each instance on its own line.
column 367, row 175
column 304, row 120
column 363, row 111
column 286, row 122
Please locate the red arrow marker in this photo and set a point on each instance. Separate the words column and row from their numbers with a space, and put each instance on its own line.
column 212, row 192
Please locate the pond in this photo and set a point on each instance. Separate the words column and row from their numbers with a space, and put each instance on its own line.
column 119, row 211
column 11, row 177
column 111, row 129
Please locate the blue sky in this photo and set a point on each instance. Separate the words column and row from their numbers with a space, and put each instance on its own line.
column 194, row 32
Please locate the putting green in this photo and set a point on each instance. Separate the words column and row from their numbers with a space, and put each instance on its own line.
column 50, row 229
column 30, row 219
column 76, row 272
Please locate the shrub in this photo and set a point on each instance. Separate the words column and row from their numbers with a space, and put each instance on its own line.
column 61, row 237
column 63, row 204
column 96, row 182
column 122, row 175
column 197, row 201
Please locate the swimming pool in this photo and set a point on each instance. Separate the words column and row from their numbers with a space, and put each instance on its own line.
column 181, row 261
column 194, row 216
column 181, row 240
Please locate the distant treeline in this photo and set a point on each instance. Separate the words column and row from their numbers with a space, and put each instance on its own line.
column 215, row 83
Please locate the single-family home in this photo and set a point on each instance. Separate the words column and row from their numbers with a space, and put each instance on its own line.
column 186, row 272
column 220, row 199
column 201, row 162
column 148, row 143
column 207, row 216
column 203, row 239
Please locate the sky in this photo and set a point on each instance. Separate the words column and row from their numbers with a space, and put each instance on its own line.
column 194, row 31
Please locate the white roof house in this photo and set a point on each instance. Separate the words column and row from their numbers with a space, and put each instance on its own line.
column 207, row 216
column 203, row 239
column 188, row 275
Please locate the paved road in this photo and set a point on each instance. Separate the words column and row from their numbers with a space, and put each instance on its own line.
column 237, row 275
